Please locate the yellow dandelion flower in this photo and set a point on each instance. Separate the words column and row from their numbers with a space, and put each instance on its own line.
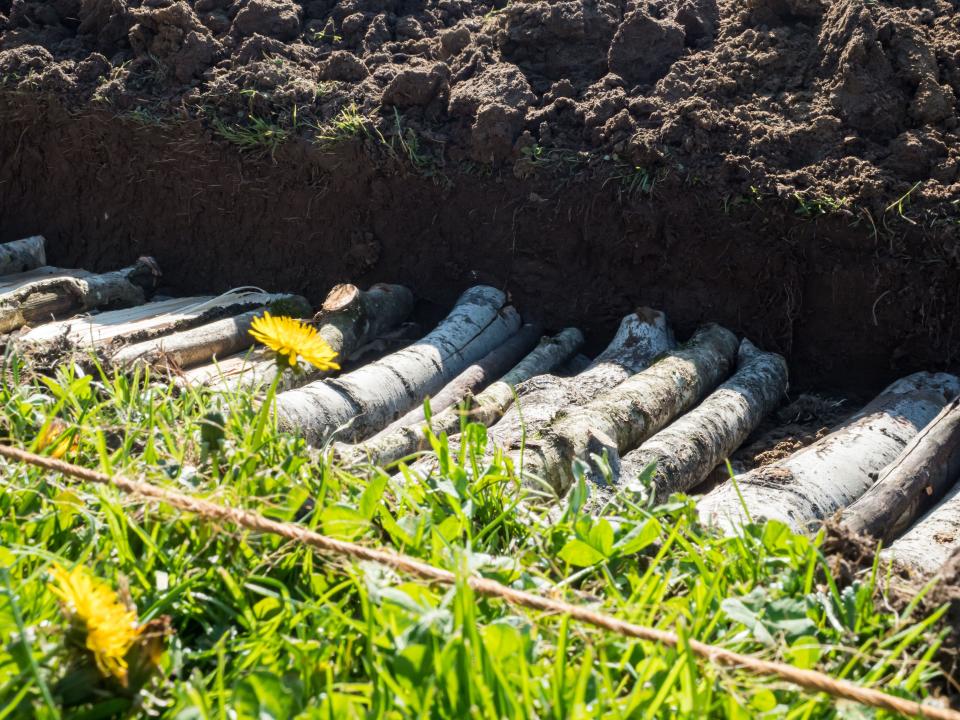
column 50, row 434
column 291, row 339
column 110, row 627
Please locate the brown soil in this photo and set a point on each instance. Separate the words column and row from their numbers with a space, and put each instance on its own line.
column 728, row 161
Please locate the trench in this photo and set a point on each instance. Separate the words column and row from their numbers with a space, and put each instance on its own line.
column 850, row 305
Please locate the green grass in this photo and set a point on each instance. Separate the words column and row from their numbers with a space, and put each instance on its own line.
column 815, row 205
column 266, row 629
column 258, row 136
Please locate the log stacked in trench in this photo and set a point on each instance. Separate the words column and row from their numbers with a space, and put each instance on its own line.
column 647, row 416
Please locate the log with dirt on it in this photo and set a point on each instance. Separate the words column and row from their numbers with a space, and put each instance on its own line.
column 928, row 466
column 23, row 255
column 45, row 299
column 187, row 348
column 813, row 484
column 642, row 336
column 484, row 408
column 622, row 418
column 361, row 402
column 105, row 332
column 927, row 546
column 687, row 450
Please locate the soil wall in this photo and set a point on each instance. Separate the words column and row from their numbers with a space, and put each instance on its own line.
column 852, row 301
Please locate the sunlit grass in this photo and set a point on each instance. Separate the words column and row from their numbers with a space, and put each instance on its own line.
column 266, row 629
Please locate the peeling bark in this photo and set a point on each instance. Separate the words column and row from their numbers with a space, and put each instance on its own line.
column 184, row 349
column 107, row 331
column 928, row 466
column 485, row 408
column 927, row 546
column 44, row 299
column 686, row 451
column 22, row 255
column 622, row 418
column 361, row 402
column 45, row 272
column 814, row 483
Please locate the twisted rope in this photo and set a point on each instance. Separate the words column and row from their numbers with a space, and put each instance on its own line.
column 807, row 679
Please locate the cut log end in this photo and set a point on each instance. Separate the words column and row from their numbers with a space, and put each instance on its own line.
column 340, row 297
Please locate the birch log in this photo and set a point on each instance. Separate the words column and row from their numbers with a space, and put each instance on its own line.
column 45, row 299
column 926, row 546
column 687, row 450
column 372, row 396
column 22, row 255
column 350, row 317
column 928, row 466
column 485, row 408
column 200, row 344
column 474, row 378
column 814, row 483
column 622, row 418
column 641, row 338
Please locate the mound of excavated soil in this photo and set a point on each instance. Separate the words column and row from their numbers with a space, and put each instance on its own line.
column 846, row 102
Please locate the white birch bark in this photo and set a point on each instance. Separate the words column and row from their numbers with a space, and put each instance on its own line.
column 926, row 546
column 640, row 339
column 814, row 483
column 926, row 469
column 620, row 419
column 43, row 299
column 687, row 450
column 361, row 402
column 485, row 408
column 22, row 255
column 474, row 378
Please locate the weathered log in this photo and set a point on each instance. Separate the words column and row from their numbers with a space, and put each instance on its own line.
column 106, row 331
column 350, row 317
column 928, row 466
column 361, row 402
column 640, row 339
column 622, row 418
column 47, row 298
column 485, row 408
column 184, row 349
column 45, row 272
column 22, row 255
column 927, row 546
column 474, row 378
column 687, row 450
column 814, row 483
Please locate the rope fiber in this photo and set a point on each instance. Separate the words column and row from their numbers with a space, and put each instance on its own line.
column 808, row 679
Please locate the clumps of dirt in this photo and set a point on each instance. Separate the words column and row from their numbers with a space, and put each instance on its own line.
column 791, row 428
column 841, row 104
